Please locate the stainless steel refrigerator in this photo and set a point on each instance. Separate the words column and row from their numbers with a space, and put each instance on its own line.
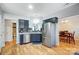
column 49, row 30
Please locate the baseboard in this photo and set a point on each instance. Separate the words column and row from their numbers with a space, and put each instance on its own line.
column 24, row 43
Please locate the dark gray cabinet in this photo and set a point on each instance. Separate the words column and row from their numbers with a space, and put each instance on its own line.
column 23, row 25
column 36, row 38
column 26, row 25
column 21, row 39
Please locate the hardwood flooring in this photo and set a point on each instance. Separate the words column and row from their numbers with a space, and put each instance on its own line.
column 0, row 51
column 39, row 49
column 9, row 44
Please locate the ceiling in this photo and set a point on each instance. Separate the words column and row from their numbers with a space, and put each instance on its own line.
column 38, row 9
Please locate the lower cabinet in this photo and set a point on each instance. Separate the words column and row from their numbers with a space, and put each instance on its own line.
column 21, row 38
column 36, row 38
column 26, row 38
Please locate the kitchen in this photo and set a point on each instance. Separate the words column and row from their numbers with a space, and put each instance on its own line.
column 38, row 33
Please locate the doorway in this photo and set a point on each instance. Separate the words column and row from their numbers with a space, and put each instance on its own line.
column 14, row 33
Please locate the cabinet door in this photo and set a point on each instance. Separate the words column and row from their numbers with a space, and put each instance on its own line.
column 26, row 38
column 26, row 25
column 35, row 38
column 21, row 23
column 21, row 38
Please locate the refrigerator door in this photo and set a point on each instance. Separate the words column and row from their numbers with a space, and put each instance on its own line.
column 46, row 35
column 49, row 33
column 53, row 34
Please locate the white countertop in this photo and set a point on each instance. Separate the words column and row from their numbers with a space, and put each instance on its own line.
column 31, row 33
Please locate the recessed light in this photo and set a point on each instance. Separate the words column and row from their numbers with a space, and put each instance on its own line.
column 30, row 6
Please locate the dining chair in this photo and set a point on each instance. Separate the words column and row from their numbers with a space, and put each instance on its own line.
column 71, row 37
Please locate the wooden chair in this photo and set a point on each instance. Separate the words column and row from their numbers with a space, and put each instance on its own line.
column 70, row 37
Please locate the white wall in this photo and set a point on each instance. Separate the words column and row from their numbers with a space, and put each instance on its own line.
column 32, row 19
column 71, row 24
column 8, row 27
column 9, row 19
column 2, row 30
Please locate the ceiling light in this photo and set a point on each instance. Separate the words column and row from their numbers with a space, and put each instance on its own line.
column 30, row 7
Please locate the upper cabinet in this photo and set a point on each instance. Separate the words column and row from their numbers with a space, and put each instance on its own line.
column 26, row 25
column 23, row 25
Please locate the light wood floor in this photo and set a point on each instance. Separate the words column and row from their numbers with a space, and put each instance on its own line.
column 10, row 44
column 39, row 49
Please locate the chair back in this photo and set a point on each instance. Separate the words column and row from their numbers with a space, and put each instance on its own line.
column 73, row 34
